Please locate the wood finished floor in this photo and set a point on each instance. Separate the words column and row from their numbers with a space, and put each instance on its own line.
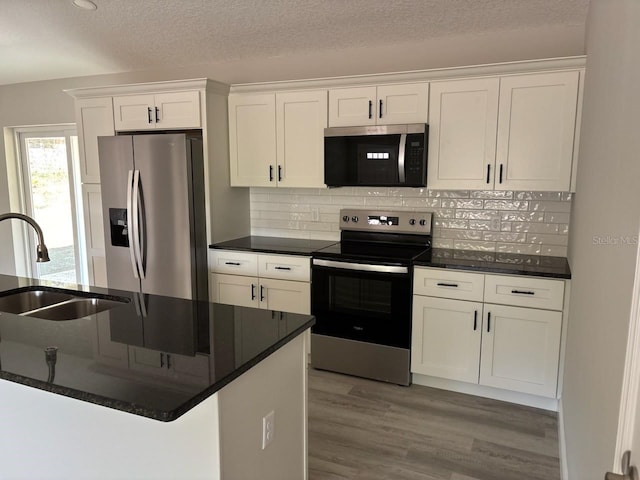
column 366, row 430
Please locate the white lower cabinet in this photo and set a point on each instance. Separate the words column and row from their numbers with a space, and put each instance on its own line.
column 508, row 347
column 446, row 338
column 272, row 282
column 520, row 349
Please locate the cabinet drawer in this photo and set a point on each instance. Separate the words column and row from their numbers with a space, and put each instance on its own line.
column 524, row 292
column 236, row 263
column 438, row 282
column 285, row 267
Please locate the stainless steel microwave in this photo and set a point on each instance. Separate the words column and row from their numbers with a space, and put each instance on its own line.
column 386, row 155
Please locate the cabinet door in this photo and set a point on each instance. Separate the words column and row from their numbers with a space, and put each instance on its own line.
column 352, row 106
column 94, row 234
column 446, row 337
column 134, row 112
column 252, row 140
column 399, row 104
column 536, row 127
column 301, row 118
column 94, row 117
column 285, row 295
column 178, row 110
column 234, row 290
column 463, row 120
column 520, row 349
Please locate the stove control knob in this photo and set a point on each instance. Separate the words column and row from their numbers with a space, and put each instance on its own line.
column 345, row 218
column 354, row 219
column 412, row 221
column 423, row 222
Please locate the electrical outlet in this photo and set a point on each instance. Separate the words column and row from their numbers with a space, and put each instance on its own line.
column 268, row 428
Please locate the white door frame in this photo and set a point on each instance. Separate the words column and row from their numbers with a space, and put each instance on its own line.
column 631, row 379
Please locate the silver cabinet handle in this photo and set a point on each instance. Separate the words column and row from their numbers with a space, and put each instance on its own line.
column 162, row 360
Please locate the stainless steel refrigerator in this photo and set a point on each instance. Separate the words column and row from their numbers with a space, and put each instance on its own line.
column 153, row 209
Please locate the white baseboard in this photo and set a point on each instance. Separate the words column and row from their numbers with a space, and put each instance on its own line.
column 564, row 469
column 487, row 392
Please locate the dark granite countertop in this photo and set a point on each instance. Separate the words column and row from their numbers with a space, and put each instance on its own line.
column 118, row 358
column 496, row 262
column 290, row 246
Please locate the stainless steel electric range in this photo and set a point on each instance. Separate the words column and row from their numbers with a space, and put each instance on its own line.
column 361, row 294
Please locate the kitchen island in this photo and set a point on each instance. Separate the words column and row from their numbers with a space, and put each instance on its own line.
column 152, row 387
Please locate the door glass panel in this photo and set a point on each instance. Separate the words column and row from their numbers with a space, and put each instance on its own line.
column 51, row 204
column 360, row 295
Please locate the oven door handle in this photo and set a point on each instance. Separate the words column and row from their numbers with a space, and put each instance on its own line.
column 365, row 267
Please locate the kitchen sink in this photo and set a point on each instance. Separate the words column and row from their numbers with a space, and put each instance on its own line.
column 56, row 304
column 76, row 308
column 31, row 300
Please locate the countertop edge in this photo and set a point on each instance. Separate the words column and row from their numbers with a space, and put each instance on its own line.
column 160, row 415
column 500, row 270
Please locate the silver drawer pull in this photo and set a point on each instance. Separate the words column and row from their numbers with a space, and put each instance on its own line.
column 232, row 263
column 283, row 268
column 523, row 292
column 447, row 284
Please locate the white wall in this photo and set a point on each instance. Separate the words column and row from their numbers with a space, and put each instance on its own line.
column 606, row 209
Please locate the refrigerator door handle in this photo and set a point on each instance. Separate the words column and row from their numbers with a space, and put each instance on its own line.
column 130, row 230
column 136, row 222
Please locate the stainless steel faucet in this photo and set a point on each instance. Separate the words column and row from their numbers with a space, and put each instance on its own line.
column 42, row 254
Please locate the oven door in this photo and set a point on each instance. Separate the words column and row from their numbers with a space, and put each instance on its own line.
column 367, row 303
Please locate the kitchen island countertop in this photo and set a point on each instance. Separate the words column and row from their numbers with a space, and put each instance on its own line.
column 157, row 364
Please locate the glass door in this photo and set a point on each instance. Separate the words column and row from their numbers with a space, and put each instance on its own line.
column 49, row 185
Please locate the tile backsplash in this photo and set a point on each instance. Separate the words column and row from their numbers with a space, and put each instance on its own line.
column 497, row 221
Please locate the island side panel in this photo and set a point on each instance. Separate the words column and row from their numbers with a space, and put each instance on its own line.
column 49, row 436
column 277, row 384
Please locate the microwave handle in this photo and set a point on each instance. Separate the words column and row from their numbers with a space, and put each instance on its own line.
column 403, row 146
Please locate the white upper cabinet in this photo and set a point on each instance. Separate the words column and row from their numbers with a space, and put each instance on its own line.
column 301, row 118
column 536, row 127
column 95, row 119
column 277, row 139
column 171, row 110
column 252, row 139
column 382, row 105
column 463, row 118
column 504, row 133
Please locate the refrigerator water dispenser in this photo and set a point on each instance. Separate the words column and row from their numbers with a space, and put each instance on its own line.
column 118, row 224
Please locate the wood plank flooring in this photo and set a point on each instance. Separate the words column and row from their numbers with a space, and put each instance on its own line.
column 366, row 430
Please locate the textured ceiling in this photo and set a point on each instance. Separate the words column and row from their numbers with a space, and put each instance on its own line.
column 45, row 39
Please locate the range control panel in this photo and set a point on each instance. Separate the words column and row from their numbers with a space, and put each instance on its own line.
column 386, row 221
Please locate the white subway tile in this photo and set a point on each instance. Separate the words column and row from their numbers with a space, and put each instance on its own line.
column 534, row 227
column 347, row 201
column 458, row 234
column 466, row 203
column 543, row 206
column 554, row 250
column 449, row 193
column 492, row 194
column 443, row 243
column 485, row 224
column 522, row 216
column 478, row 214
column 505, row 205
column 386, row 202
column 554, row 196
column 474, row 245
column 505, row 226
column 505, row 237
column 450, row 223
column 421, row 202
column 544, row 239
column 525, row 249
column 556, row 217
